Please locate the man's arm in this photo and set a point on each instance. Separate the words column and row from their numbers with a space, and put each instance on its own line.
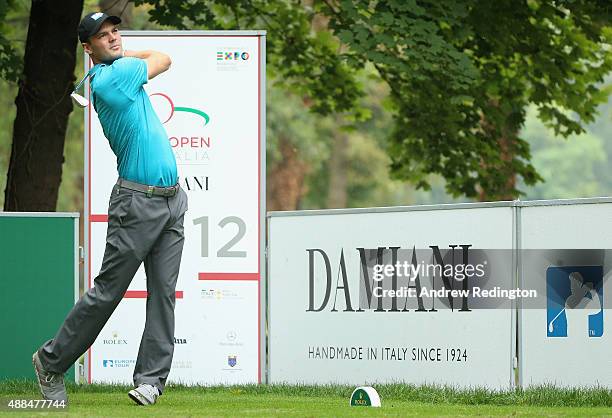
column 157, row 62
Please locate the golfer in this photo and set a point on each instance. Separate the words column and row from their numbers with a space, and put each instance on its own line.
column 145, row 218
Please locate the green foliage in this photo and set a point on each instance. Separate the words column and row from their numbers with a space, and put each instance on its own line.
column 462, row 73
column 304, row 60
column 459, row 73
column 571, row 168
column 10, row 58
column 312, row 135
column 288, row 119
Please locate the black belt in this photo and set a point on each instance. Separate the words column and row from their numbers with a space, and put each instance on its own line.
column 149, row 190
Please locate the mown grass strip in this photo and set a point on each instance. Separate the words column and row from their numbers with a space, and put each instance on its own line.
column 534, row 396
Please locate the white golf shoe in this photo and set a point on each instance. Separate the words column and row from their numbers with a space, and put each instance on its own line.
column 144, row 394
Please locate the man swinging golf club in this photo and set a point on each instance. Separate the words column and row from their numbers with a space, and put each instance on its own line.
column 145, row 218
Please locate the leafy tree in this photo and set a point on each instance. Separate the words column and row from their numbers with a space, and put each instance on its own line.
column 307, row 61
column 461, row 72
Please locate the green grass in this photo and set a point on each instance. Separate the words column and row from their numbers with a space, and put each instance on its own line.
column 322, row 401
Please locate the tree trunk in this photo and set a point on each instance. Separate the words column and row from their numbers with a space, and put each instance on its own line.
column 505, row 138
column 506, row 192
column 337, row 194
column 43, row 105
column 286, row 180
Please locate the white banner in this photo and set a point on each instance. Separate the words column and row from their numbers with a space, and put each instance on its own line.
column 566, row 340
column 210, row 102
column 325, row 327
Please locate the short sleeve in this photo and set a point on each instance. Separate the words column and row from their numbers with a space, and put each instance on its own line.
column 129, row 74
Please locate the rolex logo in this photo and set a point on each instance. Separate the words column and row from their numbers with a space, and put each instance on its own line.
column 115, row 340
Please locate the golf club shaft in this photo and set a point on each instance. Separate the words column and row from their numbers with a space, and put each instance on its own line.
column 78, row 86
column 557, row 316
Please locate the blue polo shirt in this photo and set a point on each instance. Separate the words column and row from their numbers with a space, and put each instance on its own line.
column 130, row 124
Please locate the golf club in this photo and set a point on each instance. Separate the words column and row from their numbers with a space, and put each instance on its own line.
column 77, row 99
column 550, row 325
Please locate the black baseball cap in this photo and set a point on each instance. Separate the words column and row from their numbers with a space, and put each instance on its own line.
column 90, row 24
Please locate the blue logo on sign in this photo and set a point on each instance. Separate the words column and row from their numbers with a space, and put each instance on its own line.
column 574, row 301
column 117, row 363
column 232, row 360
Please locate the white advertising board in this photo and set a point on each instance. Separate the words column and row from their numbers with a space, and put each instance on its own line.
column 566, row 256
column 323, row 328
column 212, row 105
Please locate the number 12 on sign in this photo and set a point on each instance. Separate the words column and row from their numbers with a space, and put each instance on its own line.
column 225, row 250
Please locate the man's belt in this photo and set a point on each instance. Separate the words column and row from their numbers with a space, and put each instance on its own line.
column 149, row 190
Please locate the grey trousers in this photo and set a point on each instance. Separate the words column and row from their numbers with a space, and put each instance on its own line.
column 140, row 228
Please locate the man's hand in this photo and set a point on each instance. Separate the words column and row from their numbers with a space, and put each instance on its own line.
column 157, row 62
